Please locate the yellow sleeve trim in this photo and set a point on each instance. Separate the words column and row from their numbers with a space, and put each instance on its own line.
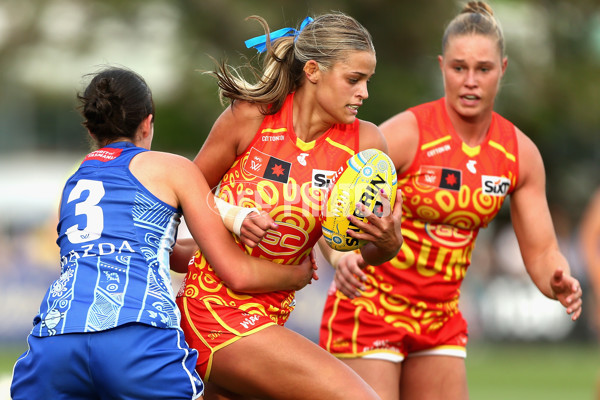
column 498, row 146
column 436, row 142
column 340, row 146
column 271, row 130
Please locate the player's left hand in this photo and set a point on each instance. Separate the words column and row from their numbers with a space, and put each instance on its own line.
column 385, row 231
column 567, row 291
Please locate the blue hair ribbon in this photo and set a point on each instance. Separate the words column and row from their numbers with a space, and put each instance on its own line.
column 260, row 42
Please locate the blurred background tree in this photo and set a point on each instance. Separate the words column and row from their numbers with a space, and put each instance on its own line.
column 551, row 89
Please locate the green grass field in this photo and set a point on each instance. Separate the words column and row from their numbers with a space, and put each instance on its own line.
column 544, row 371
column 540, row 371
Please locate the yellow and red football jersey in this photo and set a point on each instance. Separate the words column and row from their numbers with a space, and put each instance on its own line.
column 451, row 190
column 287, row 177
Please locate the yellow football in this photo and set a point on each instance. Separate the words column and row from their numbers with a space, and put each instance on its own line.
column 360, row 180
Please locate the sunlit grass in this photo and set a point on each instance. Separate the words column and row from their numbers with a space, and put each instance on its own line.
column 545, row 371
column 537, row 371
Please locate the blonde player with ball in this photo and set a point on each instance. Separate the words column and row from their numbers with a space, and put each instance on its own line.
column 457, row 161
column 270, row 150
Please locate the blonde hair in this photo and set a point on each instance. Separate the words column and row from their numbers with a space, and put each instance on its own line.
column 476, row 17
column 326, row 40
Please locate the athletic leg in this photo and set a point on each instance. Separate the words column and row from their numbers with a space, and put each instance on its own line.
column 434, row 378
column 215, row 392
column 383, row 376
column 278, row 363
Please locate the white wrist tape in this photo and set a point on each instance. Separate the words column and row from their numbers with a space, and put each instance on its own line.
column 233, row 216
column 240, row 217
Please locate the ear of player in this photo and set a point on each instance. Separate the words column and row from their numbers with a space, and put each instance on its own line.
column 360, row 180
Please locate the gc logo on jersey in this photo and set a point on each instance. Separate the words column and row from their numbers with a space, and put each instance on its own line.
column 285, row 241
column 495, row 185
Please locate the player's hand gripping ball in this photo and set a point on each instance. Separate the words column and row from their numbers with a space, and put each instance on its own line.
column 360, row 180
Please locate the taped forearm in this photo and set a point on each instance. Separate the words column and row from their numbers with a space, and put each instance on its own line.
column 233, row 216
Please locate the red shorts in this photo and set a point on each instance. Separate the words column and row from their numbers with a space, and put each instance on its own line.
column 381, row 327
column 209, row 327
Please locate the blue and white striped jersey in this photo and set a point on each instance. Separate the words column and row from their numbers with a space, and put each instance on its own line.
column 115, row 238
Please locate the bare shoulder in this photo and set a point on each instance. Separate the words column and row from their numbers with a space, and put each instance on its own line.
column 246, row 110
column 400, row 120
column 371, row 137
column 169, row 158
column 162, row 164
column 241, row 114
column 526, row 146
column 402, row 135
column 164, row 174
column 531, row 164
column 236, row 125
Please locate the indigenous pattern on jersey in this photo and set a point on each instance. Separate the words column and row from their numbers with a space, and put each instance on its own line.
column 280, row 174
column 450, row 191
column 115, row 238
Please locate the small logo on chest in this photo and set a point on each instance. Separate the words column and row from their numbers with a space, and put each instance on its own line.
column 495, row 185
column 302, row 159
column 268, row 167
column 471, row 166
column 436, row 176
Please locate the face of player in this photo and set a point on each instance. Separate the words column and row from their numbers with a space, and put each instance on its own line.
column 343, row 88
column 472, row 68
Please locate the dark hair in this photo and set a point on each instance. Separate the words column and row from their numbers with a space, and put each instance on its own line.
column 476, row 17
column 327, row 40
column 114, row 104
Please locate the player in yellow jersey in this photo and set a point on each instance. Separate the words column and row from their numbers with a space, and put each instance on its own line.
column 398, row 324
column 274, row 149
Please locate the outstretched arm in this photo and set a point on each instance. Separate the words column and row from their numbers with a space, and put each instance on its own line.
column 238, row 270
column 532, row 222
column 590, row 242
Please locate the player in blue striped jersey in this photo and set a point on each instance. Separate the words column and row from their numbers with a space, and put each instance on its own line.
column 108, row 327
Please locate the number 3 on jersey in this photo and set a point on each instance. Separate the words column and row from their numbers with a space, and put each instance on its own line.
column 88, row 207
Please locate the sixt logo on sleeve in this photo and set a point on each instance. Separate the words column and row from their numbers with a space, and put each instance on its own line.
column 495, row 185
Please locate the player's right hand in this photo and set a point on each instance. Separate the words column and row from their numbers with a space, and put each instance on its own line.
column 349, row 277
column 255, row 227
